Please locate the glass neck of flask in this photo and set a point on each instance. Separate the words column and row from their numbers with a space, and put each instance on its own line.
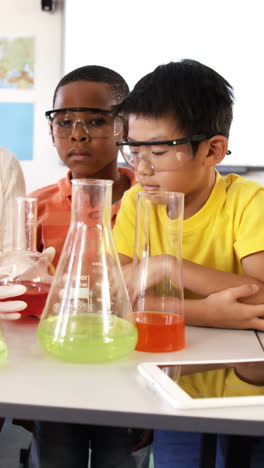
column 26, row 225
column 91, row 201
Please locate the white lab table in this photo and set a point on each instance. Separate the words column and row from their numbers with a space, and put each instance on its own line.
column 33, row 385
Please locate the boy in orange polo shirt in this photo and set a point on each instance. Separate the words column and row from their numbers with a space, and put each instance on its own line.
column 84, row 133
column 86, row 142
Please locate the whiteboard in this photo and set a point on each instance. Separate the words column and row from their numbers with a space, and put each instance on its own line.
column 133, row 37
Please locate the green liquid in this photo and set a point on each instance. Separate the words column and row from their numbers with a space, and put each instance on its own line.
column 3, row 351
column 89, row 338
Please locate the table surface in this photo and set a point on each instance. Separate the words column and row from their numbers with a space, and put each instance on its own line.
column 36, row 386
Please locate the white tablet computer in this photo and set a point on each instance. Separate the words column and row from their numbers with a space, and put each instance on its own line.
column 163, row 378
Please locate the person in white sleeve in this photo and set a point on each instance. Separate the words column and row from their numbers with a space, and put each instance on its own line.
column 12, row 185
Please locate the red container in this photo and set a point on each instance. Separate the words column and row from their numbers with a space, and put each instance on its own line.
column 35, row 297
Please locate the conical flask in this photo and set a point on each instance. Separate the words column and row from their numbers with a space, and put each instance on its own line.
column 156, row 278
column 88, row 316
column 24, row 264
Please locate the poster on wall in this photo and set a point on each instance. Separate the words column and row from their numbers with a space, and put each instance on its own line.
column 17, row 93
column 16, row 129
column 17, row 62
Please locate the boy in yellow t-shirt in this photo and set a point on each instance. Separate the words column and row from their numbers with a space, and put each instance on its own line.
column 179, row 118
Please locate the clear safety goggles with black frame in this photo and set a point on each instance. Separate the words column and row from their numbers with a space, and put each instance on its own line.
column 165, row 155
column 96, row 123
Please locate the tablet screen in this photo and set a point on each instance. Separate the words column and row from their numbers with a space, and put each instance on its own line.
column 191, row 385
column 218, row 380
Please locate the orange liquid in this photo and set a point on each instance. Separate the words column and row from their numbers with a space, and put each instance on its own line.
column 35, row 297
column 159, row 332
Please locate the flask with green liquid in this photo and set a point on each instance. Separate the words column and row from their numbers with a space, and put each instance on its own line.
column 88, row 316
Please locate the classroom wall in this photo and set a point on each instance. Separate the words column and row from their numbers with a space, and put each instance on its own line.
column 25, row 18
column 257, row 176
column 135, row 37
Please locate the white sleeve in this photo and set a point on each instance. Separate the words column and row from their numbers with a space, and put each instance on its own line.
column 12, row 185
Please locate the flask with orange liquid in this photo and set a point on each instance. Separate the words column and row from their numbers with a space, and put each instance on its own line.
column 24, row 265
column 156, row 288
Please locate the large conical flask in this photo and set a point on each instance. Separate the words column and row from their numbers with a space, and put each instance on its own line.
column 24, row 264
column 88, row 316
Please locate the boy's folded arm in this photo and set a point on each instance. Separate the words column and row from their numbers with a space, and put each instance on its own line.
column 223, row 309
column 233, row 301
column 205, row 281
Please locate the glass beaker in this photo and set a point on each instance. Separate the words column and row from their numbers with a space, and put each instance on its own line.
column 88, row 316
column 156, row 287
column 24, row 264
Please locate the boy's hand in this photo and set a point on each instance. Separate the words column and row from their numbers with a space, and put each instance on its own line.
column 223, row 309
column 50, row 253
column 10, row 310
column 42, row 266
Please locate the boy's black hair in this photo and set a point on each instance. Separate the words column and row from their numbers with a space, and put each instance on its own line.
column 97, row 74
column 197, row 96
